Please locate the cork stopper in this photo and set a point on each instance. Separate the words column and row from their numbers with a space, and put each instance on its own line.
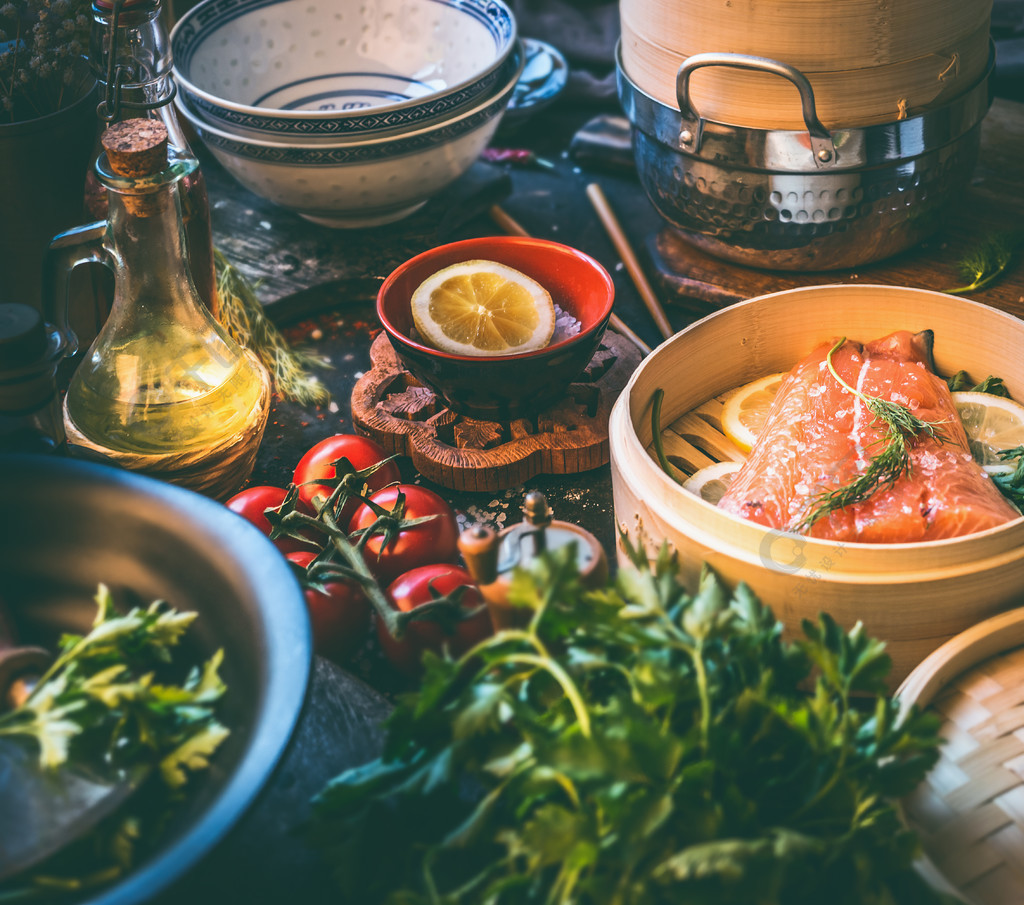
column 136, row 147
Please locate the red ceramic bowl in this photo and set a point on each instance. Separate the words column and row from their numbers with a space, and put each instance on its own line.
column 503, row 387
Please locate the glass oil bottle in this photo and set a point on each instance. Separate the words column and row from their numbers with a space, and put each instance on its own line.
column 162, row 388
column 129, row 52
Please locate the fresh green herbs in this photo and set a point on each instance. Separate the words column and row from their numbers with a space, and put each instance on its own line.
column 659, row 447
column 243, row 317
column 901, row 428
column 105, row 704
column 1011, row 484
column 987, row 261
column 961, row 382
column 101, row 690
column 637, row 745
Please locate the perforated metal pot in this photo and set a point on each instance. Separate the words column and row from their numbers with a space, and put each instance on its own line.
column 801, row 200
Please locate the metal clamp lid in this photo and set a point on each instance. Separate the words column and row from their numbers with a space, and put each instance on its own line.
column 691, row 132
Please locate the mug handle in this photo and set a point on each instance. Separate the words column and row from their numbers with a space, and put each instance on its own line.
column 691, row 132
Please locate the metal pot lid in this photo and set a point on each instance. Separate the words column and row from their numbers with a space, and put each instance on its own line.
column 816, row 149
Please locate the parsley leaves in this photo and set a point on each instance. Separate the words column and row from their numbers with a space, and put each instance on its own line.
column 638, row 745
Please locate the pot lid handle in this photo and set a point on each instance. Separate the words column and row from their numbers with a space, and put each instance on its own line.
column 691, row 131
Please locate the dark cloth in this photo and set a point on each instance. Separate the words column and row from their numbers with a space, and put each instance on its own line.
column 585, row 32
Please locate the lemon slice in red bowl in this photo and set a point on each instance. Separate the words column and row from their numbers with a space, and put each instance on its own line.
column 483, row 308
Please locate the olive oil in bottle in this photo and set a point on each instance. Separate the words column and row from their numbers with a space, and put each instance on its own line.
column 162, row 379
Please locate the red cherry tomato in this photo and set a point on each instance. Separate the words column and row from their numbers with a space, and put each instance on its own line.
column 317, row 463
column 340, row 618
column 413, row 589
column 252, row 504
column 429, row 542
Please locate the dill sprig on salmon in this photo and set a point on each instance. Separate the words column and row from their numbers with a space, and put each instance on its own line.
column 902, row 428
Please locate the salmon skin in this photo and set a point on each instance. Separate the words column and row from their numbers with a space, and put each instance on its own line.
column 819, row 437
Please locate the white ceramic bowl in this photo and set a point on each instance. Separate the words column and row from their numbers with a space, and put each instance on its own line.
column 339, row 68
column 353, row 184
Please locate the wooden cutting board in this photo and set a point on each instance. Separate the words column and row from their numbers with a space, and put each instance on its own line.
column 994, row 201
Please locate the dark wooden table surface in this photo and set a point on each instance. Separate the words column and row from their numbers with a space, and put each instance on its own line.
column 320, row 284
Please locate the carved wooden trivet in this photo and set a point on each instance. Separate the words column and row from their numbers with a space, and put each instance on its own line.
column 460, row 453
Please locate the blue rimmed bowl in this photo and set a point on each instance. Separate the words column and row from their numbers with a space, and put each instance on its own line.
column 65, row 526
column 360, row 183
column 338, row 68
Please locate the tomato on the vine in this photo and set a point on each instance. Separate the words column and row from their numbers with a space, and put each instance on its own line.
column 432, row 541
column 252, row 504
column 417, row 587
column 340, row 617
column 318, row 463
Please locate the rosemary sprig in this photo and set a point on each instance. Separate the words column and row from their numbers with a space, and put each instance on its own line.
column 242, row 315
column 901, row 429
column 987, row 261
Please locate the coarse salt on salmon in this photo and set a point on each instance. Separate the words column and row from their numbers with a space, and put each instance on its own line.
column 819, row 437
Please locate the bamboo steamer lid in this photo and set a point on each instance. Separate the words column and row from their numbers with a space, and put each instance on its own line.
column 969, row 811
column 845, row 98
column 812, row 35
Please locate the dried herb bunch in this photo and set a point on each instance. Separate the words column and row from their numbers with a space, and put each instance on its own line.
column 43, row 47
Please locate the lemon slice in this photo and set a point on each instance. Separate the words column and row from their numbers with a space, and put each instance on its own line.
column 712, row 482
column 483, row 308
column 746, row 409
column 992, row 423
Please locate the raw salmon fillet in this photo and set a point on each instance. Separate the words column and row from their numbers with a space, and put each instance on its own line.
column 819, row 437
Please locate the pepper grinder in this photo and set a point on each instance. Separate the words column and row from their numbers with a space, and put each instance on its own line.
column 492, row 557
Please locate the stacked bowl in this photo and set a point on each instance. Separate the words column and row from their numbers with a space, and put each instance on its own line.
column 350, row 113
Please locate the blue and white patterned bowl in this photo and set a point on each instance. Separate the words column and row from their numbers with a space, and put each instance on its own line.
column 338, row 68
column 361, row 183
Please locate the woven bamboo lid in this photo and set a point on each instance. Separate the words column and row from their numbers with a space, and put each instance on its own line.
column 969, row 811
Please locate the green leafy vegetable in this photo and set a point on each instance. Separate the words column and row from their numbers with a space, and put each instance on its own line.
column 243, row 317
column 100, row 692
column 659, row 448
column 1012, row 483
column 961, row 382
column 101, row 705
column 637, row 745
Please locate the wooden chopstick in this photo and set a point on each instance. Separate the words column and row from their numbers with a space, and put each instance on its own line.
column 513, row 228
column 618, row 237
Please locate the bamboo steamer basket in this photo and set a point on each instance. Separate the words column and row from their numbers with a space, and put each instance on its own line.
column 866, row 65
column 968, row 810
column 817, row 35
column 914, row 596
column 846, row 97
